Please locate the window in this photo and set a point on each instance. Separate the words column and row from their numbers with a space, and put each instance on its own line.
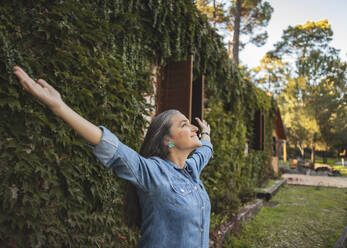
column 258, row 135
column 176, row 90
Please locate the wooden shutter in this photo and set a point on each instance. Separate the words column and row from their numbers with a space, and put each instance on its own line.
column 279, row 128
column 259, row 131
column 175, row 88
column 262, row 132
column 198, row 99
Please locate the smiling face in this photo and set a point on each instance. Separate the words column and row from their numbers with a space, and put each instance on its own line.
column 183, row 134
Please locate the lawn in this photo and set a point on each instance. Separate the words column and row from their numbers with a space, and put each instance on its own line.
column 297, row 216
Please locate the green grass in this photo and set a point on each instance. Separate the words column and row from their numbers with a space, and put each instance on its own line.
column 330, row 161
column 341, row 169
column 285, row 164
column 305, row 217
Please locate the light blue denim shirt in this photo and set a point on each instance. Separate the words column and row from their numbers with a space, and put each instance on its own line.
column 175, row 205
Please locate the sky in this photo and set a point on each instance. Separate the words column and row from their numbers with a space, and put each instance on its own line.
column 293, row 12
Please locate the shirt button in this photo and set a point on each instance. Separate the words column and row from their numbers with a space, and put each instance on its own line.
column 201, row 229
column 182, row 190
column 202, row 208
column 195, row 187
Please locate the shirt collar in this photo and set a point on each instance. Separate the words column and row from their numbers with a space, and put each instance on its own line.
column 176, row 166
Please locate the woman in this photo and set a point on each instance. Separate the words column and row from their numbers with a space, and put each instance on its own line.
column 175, row 207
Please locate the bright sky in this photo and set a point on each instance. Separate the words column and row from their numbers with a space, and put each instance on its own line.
column 292, row 12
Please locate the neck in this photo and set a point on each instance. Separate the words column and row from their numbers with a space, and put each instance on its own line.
column 178, row 157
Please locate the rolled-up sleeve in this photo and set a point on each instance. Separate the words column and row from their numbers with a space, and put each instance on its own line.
column 126, row 162
column 107, row 147
column 201, row 155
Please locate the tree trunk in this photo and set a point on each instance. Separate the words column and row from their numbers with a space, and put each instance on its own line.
column 313, row 154
column 214, row 14
column 230, row 55
column 236, row 36
column 302, row 151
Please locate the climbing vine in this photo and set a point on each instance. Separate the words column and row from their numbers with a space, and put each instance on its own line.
column 99, row 54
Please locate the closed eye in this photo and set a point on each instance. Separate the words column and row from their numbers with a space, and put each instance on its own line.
column 184, row 123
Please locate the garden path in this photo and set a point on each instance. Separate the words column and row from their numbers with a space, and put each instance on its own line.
column 324, row 181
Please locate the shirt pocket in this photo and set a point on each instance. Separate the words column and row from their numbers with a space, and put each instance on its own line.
column 182, row 195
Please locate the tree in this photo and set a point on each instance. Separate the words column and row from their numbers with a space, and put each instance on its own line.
column 298, row 41
column 247, row 18
column 214, row 12
column 302, row 128
column 271, row 73
column 316, row 83
column 239, row 17
column 328, row 101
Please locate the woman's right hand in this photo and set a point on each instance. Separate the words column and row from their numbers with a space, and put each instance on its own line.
column 40, row 89
column 49, row 96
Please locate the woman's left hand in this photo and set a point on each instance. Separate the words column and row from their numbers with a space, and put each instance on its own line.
column 204, row 127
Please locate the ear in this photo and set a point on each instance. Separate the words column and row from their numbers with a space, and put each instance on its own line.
column 167, row 140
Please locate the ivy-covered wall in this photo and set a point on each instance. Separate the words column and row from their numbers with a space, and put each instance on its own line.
column 98, row 54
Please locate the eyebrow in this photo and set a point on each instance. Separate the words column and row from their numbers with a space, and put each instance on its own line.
column 184, row 121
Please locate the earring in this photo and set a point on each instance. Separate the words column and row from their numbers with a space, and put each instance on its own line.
column 171, row 144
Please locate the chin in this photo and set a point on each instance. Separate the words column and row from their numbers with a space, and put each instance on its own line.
column 196, row 141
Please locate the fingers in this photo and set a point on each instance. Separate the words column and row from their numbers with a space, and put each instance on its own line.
column 24, row 85
column 27, row 82
column 198, row 120
column 21, row 75
column 200, row 123
column 203, row 124
column 43, row 83
column 25, row 79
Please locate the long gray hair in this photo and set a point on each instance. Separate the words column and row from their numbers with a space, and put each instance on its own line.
column 153, row 145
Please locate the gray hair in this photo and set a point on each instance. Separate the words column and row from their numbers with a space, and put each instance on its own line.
column 158, row 130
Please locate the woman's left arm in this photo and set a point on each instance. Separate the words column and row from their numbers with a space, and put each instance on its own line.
column 202, row 154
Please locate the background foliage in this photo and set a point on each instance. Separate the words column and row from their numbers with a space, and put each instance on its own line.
column 308, row 76
column 98, row 54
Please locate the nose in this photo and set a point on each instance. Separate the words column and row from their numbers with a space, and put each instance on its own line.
column 194, row 128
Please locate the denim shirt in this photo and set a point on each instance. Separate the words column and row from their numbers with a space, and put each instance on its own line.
column 174, row 203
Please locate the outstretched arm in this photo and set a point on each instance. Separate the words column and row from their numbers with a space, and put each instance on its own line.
column 52, row 99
